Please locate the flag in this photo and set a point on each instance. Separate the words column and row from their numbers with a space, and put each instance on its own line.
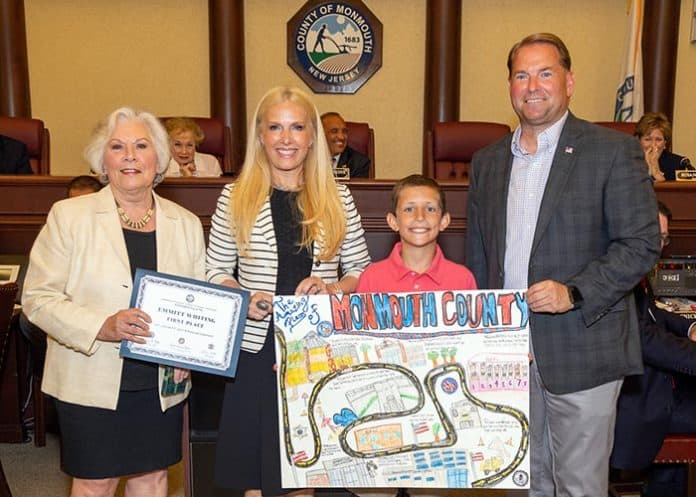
column 419, row 428
column 477, row 456
column 299, row 457
column 629, row 95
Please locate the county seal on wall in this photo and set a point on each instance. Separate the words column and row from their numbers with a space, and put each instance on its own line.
column 335, row 47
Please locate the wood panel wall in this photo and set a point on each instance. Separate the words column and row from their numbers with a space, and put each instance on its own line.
column 25, row 201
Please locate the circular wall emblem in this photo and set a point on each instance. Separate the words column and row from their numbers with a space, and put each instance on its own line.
column 335, row 47
column 189, row 298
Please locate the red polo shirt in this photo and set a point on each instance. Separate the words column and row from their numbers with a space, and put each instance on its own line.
column 391, row 275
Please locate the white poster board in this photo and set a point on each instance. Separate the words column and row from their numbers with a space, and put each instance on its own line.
column 409, row 390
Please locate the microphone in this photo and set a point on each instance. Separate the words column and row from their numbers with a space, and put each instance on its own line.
column 685, row 163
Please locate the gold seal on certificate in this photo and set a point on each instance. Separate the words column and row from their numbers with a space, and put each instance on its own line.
column 195, row 325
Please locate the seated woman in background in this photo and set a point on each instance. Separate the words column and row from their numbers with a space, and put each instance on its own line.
column 184, row 136
column 654, row 132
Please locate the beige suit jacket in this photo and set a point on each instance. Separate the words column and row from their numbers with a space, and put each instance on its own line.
column 79, row 275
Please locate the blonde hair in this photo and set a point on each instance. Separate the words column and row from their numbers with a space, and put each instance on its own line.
column 178, row 125
column 318, row 202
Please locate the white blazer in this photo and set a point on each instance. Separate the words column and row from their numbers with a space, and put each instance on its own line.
column 79, row 275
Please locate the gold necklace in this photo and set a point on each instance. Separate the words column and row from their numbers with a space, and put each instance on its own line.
column 136, row 225
column 287, row 188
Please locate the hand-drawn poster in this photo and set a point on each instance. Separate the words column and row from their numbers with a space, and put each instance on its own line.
column 422, row 389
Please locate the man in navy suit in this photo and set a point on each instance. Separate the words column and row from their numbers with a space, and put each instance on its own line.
column 662, row 400
column 342, row 155
column 565, row 209
column 14, row 158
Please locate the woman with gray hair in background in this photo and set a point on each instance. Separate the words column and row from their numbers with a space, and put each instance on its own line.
column 114, row 421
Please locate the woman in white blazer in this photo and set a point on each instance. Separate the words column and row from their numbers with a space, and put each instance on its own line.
column 113, row 420
column 285, row 227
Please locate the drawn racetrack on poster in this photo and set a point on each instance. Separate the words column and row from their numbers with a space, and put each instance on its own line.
column 403, row 390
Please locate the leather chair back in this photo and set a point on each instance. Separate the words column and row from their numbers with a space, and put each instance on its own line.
column 451, row 145
column 217, row 141
column 628, row 128
column 34, row 135
column 362, row 138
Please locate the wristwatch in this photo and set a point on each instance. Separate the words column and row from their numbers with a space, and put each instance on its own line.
column 575, row 297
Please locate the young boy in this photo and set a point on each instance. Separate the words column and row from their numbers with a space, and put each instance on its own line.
column 416, row 263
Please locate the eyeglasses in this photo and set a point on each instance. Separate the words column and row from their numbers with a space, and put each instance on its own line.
column 665, row 240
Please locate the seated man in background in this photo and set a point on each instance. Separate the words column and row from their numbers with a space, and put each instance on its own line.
column 184, row 137
column 342, row 155
column 662, row 400
column 14, row 158
column 82, row 185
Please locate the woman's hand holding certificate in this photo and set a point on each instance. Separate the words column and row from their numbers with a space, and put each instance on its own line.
column 192, row 324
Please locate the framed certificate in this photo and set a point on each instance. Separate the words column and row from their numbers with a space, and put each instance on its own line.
column 195, row 325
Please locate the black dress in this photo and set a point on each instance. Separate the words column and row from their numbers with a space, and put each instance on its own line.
column 137, row 437
column 670, row 163
column 248, row 446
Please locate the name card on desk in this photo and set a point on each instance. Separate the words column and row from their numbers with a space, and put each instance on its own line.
column 8, row 273
column 685, row 175
column 341, row 173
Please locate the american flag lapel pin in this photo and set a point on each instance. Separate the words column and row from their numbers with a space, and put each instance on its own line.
column 569, row 150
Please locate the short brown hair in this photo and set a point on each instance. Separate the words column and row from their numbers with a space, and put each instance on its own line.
column 654, row 120
column 551, row 39
column 416, row 180
column 84, row 182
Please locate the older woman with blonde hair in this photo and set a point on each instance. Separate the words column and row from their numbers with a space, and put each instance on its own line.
column 185, row 135
column 655, row 134
column 284, row 227
column 114, row 421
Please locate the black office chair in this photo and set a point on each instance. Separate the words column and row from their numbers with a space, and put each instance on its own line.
column 8, row 294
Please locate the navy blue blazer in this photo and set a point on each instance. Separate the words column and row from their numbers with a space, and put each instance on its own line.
column 596, row 229
column 358, row 164
column 647, row 401
column 14, row 158
column 669, row 164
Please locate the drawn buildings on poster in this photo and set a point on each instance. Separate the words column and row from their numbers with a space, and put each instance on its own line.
column 437, row 406
column 465, row 415
column 314, row 357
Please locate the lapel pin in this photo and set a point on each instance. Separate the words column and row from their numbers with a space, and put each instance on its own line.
column 569, row 150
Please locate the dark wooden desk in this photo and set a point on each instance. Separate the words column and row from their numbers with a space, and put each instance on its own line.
column 13, row 383
column 25, row 201
column 11, row 391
